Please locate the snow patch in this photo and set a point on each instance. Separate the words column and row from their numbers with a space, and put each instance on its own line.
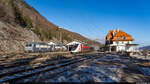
column 106, row 73
column 145, row 71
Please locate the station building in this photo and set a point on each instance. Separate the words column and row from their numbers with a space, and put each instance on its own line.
column 118, row 40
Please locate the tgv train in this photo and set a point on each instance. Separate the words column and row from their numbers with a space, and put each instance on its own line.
column 39, row 47
column 81, row 47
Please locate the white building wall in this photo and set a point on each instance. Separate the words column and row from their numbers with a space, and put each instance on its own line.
column 121, row 42
column 130, row 49
column 121, row 46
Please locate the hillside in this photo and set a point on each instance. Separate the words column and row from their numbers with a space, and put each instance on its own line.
column 20, row 23
column 145, row 48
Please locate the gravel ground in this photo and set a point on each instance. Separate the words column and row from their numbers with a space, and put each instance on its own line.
column 107, row 68
column 91, row 72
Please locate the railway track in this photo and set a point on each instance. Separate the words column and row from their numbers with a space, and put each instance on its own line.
column 25, row 66
column 10, row 55
column 10, row 64
column 18, row 56
column 30, row 71
column 51, row 74
column 25, row 60
column 59, row 72
column 32, row 66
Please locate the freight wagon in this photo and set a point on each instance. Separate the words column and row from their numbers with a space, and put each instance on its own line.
column 39, row 47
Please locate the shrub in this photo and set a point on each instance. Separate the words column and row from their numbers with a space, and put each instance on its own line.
column 37, row 31
column 44, row 34
column 18, row 16
column 28, row 22
column 47, row 34
column 66, row 37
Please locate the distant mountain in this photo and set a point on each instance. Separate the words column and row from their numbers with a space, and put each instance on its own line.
column 100, row 40
column 20, row 23
column 145, row 48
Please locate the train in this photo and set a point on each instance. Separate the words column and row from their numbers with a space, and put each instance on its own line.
column 39, row 47
column 43, row 47
column 82, row 47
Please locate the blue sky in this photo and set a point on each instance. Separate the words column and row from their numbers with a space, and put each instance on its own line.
column 94, row 18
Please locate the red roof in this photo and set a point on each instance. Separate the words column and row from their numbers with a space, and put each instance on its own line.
column 118, row 35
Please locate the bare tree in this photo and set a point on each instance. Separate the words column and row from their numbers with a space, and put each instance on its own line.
column 145, row 53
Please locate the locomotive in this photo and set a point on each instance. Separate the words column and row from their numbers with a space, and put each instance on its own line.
column 38, row 47
column 82, row 47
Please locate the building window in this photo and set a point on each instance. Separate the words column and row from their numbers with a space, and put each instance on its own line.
column 128, row 42
column 128, row 48
column 122, row 42
column 118, row 38
column 124, row 38
column 117, row 42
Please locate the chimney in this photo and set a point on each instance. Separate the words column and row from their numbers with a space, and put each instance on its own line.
column 118, row 30
column 114, row 31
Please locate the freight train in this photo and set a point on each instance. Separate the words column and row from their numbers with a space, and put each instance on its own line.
column 38, row 47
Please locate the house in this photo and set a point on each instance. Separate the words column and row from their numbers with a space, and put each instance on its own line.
column 118, row 40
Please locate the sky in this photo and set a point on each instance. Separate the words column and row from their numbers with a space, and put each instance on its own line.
column 94, row 18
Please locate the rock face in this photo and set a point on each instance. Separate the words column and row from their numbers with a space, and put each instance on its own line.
column 14, row 38
column 20, row 23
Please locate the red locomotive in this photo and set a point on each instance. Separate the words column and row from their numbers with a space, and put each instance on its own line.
column 81, row 47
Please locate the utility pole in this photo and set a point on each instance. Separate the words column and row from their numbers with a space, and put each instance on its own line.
column 60, row 33
column 32, row 34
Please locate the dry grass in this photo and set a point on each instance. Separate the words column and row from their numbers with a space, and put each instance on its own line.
column 146, row 64
column 10, row 52
column 134, row 78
